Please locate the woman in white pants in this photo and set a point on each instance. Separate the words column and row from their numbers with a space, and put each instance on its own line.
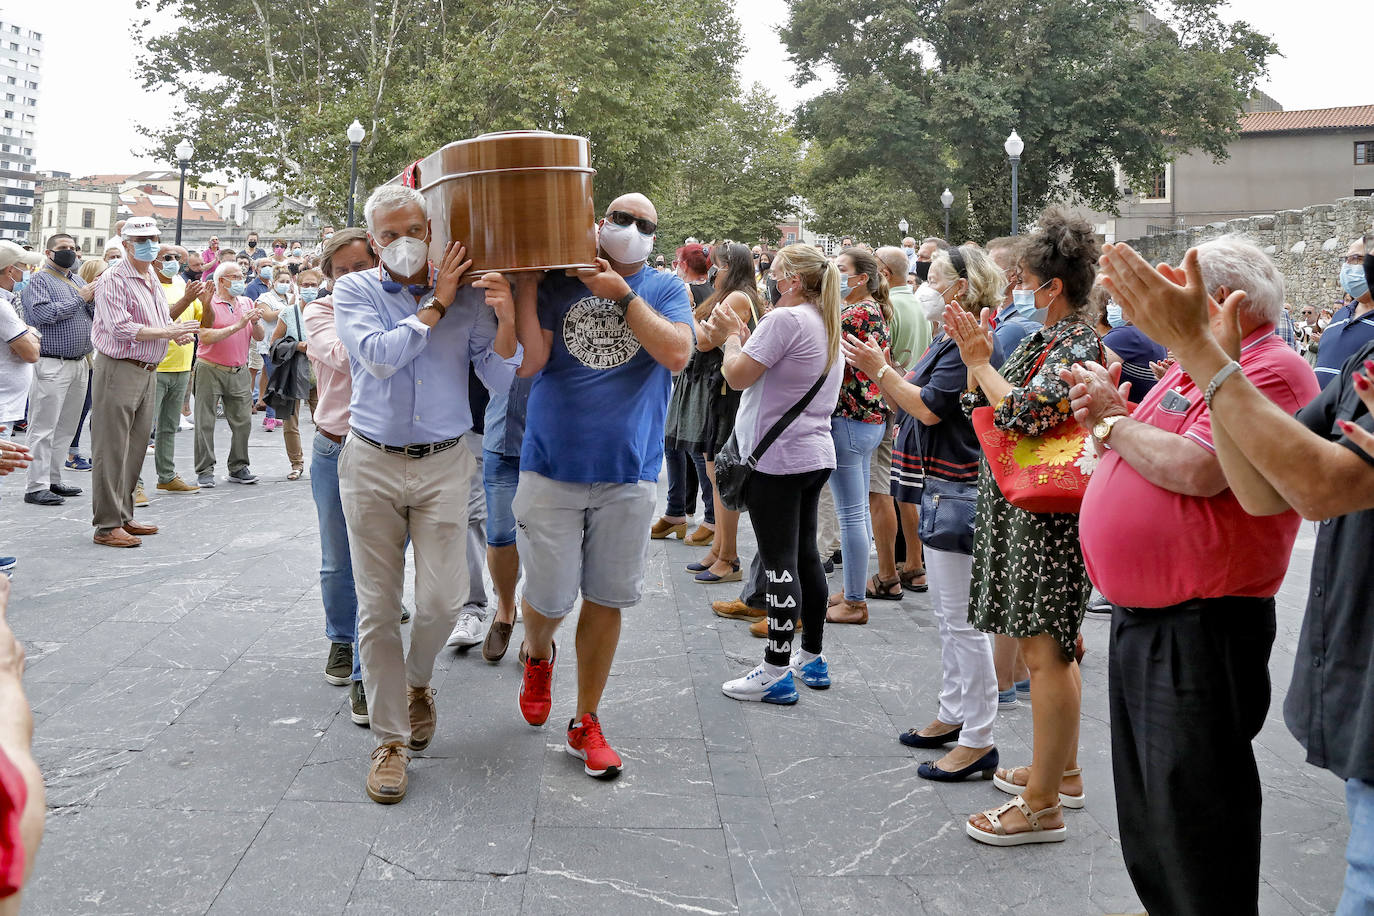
column 968, row 278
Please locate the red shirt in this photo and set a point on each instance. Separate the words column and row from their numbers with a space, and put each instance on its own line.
column 1145, row 546
column 14, row 795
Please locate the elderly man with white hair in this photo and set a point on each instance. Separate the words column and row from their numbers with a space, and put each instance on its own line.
column 403, row 471
column 1192, row 578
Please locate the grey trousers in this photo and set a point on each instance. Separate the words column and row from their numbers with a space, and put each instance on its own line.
column 213, row 384
column 171, row 394
column 385, row 498
column 55, row 401
column 477, row 530
column 121, row 418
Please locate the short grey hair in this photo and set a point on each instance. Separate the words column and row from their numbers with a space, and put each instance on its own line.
column 390, row 197
column 1236, row 262
column 224, row 267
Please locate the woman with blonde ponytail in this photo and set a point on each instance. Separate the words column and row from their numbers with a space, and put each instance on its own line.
column 791, row 359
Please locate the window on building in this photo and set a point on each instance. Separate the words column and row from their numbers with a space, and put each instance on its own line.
column 14, row 29
column 1364, row 192
column 9, row 96
column 99, row 244
column 87, row 219
column 1158, row 186
column 50, row 218
column 12, row 81
column 791, row 237
column 1364, row 152
column 14, row 46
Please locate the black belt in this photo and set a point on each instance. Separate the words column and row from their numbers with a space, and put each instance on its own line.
column 70, row 359
column 413, row 450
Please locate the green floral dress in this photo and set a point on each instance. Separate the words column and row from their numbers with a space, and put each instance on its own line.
column 1028, row 573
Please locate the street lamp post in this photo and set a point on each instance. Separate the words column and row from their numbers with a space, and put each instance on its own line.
column 947, row 201
column 183, row 152
column 1014, row 146
column 903, row 226
column 355, row 139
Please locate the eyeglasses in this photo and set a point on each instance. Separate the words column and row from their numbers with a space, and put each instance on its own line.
column 622, row 219
column 1354, row 259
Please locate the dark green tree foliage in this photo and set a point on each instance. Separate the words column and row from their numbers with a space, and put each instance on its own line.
column 926, row 92
column 271, row 85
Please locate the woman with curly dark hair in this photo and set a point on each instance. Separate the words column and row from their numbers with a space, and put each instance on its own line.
column 1029, row 581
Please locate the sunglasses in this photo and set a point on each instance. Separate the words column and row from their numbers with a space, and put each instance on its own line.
column 622, row 219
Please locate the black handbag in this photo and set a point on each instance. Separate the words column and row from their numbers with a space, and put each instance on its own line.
column 732, row 471
column 947, row 514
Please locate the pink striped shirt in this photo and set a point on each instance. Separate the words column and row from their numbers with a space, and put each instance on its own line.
column 333, row 375
column 125, row 301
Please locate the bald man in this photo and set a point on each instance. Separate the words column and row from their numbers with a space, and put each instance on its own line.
column 607, row 341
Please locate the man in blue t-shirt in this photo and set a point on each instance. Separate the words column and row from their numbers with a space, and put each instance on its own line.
column 607, row 342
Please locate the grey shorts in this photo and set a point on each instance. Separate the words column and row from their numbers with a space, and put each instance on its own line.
column 880, row 467
column 588, row 537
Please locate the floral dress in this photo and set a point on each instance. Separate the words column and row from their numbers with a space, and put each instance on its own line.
column 1028, row 573
column 861, row 398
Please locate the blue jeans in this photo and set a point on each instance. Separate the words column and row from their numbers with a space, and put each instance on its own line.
column 855, row 443
column 500, row 477
column 1358, row 897
column 682, row 480
column 336, row 564
column 261, row 394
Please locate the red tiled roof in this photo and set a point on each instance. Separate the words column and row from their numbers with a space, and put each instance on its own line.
column 142, row 206
column 1269, row 122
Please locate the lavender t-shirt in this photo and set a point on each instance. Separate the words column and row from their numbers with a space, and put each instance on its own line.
column 791, row 342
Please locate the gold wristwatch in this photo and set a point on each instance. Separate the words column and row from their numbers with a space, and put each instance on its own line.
column 1103, row 428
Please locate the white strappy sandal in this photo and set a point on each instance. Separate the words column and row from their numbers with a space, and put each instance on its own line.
column 1010, row 787
column 999, row 835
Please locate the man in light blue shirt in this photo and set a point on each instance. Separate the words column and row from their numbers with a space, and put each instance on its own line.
column 403, row 471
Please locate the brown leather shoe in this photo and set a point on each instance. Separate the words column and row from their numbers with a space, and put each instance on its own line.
column 422, row 716
column 847, row 612
column 666, row 529
column 737, row 610
column 140, row 530
column 116, row 538
column 387, row 780
column 760, row 628
column 497, row 642
column 702, row 537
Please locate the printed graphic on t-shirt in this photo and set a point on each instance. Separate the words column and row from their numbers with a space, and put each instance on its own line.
column 597, row 335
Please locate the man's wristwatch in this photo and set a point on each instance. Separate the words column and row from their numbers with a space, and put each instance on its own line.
column 433, row 303
column 623, row 303
column 1103, row 428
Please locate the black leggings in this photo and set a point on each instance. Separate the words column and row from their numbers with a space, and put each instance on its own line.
column 782, row 509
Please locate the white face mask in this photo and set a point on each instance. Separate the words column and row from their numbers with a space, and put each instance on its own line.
column 625, row 244
column 932, row 303
column 405, row 256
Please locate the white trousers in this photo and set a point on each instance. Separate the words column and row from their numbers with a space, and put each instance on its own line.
column 55, row 401
column 385, row 497
column 968, row 693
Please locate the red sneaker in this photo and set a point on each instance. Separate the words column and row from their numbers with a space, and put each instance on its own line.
column 536, row 687
column 586, row 742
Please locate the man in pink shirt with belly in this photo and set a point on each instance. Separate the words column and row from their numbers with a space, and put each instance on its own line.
column 228, row 321
column 1191, row 578
column 344, row 252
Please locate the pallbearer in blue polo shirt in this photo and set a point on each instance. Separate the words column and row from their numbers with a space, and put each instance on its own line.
column 1342, row 339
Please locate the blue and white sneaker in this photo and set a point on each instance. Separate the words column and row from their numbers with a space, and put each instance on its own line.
column 78, row 463
column 1023, row 690
column 814, row 674
column 761, row 687
column 7, row 565
column 1006, row 699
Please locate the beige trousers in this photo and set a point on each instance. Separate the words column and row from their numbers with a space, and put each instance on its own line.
column 121, row 419
column 385, row 497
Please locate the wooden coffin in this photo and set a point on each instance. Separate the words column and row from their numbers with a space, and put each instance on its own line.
column 519, row 200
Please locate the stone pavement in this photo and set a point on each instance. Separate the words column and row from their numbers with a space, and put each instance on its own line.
column 197, row 762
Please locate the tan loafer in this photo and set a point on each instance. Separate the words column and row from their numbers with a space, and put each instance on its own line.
column 847, row 612
column 737, row 610
column 138, row 530
column 422, row 716
column 177, row 485
column 116, row 538
column 666, row 529
column 702, row 537
column 497, row 642
column 387, row 780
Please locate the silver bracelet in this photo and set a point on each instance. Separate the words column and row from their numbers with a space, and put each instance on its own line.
column 1226, row 372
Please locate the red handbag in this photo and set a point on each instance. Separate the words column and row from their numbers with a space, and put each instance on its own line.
column 1043, row 474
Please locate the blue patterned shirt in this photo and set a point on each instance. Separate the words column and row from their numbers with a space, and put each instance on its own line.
column 54, row 306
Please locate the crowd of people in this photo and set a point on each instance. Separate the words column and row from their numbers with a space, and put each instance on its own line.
column 874, row 411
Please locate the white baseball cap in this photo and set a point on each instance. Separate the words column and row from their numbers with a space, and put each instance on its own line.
column 11, row 254
column 141, row 227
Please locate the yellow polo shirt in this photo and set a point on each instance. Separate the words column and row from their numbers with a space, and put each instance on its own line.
column 179, row 356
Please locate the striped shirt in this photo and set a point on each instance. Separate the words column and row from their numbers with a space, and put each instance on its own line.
column 53, row 304
column 125, row 302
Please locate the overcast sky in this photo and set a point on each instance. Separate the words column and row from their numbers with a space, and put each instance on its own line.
column 91, row 96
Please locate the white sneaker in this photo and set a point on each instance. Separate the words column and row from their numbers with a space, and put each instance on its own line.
column 186, row 424
column 468, row 632
column 761, row 687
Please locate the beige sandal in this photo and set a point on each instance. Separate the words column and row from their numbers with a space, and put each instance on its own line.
column 1010, row 786
column 1000, row 836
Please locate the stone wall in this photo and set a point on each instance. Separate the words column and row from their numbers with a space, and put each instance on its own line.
column 1307, row 244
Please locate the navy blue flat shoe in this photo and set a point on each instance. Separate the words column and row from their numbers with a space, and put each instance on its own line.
column 984, row 768
column 698, row 567
column 913, row 738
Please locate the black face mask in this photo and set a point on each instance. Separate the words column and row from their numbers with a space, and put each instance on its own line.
column 65, row 258
column 764, row 266
column 922, row 270
column 1369, row 269
column 192, row 274
column 252, row 243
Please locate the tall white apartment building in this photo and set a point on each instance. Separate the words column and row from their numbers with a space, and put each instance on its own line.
column 21, row 55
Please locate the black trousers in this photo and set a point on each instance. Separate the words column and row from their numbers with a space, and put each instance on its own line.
column 1189, row 691
column 783, row 509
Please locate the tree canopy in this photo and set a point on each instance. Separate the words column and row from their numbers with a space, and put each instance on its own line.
column 927, row 91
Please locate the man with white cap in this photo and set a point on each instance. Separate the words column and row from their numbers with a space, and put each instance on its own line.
column 130, row 333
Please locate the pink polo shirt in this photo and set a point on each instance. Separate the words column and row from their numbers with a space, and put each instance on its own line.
column 233, row 350
column 1145, row 546
column 333, row 375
